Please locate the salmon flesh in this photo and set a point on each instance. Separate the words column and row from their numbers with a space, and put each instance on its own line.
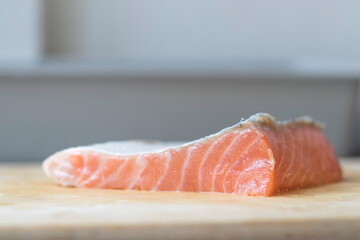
column 257, row 157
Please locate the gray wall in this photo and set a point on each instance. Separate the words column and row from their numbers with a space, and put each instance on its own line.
column 42, row 115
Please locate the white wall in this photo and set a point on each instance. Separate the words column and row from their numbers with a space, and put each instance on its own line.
column 211, row 29
column 21, row 31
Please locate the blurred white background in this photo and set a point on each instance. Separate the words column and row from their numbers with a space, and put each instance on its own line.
column 76, row 72
column 204, row 30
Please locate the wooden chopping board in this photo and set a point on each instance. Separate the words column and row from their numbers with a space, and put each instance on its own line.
column 34, row 207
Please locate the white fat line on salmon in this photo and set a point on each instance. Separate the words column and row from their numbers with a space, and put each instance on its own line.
column 288, row 171
column 248, row 165
column 253, row 165
column 115, row 174
column 221, row 158
column 83, row 170
column 243, row 154
column 271, row 156
column 56, row 169
column 247, row 162
column 320, row 154
column 66, row 173
column 323, row 157
column 329, row 164
column 304, row 176
column 203, row 161
column 168, row 160
column 186, row 163
column 245, row 151
column 143, row 163
column 299, row 155
column 243, row 135
column 283, row 140
column 94, row 174
column 61, row 172
column 285, row 155
column 303, row 156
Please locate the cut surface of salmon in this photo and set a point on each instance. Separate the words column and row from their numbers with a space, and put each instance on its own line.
column 258, row 157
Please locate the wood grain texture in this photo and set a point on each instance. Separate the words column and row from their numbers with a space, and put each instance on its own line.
column 33, row 207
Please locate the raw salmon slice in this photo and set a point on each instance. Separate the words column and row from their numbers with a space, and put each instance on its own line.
column 258, row 157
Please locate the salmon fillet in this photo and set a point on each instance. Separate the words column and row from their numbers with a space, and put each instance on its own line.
column 257, row 157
